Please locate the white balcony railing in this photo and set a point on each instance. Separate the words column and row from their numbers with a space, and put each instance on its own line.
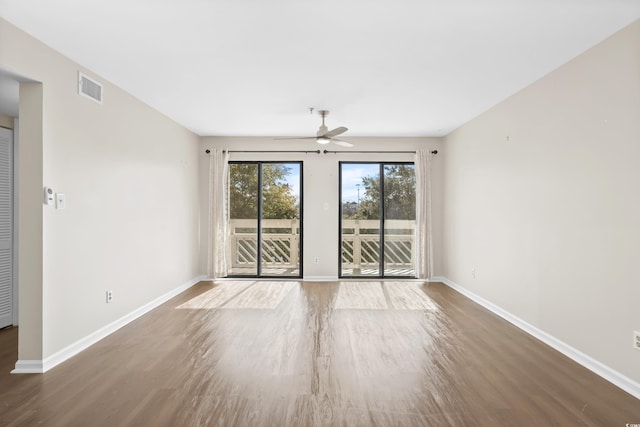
column 280, row 247
column 360, row 244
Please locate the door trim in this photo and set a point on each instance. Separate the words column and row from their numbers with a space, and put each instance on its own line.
column 16, row 123
column 9, row 317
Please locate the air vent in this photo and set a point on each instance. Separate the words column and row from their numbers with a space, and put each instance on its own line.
column 89, row 88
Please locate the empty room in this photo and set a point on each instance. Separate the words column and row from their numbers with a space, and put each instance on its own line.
column 297, row 213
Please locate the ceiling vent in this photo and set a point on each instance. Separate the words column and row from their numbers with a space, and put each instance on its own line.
column 89, row 88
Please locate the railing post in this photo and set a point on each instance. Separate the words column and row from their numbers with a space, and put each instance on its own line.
column 293, row 244
column 234, row 246
column 357, row 258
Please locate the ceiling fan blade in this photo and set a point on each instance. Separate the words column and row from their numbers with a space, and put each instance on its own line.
column 335, row 132
column 296, row 137
column 341, row 142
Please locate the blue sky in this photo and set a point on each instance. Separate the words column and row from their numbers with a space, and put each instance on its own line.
column 293, row 179
column 352, row 175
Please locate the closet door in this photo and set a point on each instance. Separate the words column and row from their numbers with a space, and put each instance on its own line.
column 6, row 227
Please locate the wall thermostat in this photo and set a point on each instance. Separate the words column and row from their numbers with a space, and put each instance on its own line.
column 49, row 197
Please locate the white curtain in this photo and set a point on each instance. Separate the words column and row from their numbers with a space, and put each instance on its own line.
column 218, row 187
column 423, row 251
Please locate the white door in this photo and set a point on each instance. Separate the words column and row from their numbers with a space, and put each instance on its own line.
column 6, row 227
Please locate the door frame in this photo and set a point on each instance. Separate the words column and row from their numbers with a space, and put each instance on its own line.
column 11, row 286
column 259, row 220
column 381, row 236
column 14, row 243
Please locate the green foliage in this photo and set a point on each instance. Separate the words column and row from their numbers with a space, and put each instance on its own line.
column 243, row 191
column 279, row 202
column 399, row 194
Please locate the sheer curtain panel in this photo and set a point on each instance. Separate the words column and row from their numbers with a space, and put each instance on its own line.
column 423, row 237
column 218, row 187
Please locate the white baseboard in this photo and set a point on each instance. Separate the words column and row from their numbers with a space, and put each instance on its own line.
column 614, row 377
column 28, row 367
column 320, row 278
column 41, row 366
column 284, row 279
column 359, row 279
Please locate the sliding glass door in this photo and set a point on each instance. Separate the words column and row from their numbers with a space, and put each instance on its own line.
column 377, row 219
column 265, row 214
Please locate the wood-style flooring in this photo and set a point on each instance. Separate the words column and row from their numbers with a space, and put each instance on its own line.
column 313, row 354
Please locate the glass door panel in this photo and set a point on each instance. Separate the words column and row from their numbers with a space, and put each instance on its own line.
column 243, row 219
column 360, row 219
column 399, row 219
column 280, row 220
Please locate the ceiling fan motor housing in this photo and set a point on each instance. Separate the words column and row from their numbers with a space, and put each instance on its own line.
column 323, row 129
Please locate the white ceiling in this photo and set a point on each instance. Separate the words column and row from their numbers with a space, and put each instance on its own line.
column 383, row 67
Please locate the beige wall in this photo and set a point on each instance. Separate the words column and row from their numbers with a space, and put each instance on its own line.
column 29, row 221
column 6, row 121
column 542, row 200
column 321, row 186
column 131, row 184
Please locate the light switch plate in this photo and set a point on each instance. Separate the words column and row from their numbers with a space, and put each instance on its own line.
column 60, row 202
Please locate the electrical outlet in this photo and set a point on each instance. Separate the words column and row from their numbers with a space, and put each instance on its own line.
column 473, row 273
column 109, row 297
column 636, row 340
column 316, row 260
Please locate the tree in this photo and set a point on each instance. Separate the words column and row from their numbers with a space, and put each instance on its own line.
column 279, row 202
column 399, row 194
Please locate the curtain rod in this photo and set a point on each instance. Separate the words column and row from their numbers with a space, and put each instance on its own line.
column 434, row 152
column 375, row 152
column 268, row 151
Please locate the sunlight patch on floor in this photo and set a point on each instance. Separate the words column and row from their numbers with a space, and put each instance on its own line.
column 361, row 295
column 263, row 295
column 408, row 296
column 383, row 296
column 218, row 295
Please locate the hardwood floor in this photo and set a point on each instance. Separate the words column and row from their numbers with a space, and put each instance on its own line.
column 313, row 354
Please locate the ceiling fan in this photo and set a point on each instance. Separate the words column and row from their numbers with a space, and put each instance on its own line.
column 324, row 135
